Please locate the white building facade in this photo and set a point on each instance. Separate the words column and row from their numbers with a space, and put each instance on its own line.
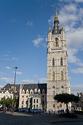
column 57, row 66
column 29, row 95
column 6, row 94
column 32, row 96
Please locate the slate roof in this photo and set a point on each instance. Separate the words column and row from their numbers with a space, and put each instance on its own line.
column 10, row 87
column 41, row 86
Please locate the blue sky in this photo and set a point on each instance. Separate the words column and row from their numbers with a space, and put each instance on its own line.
column 23, row 31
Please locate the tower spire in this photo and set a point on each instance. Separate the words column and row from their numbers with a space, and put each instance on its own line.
column 56, row 23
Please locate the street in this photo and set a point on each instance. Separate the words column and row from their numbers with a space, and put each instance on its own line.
column 23, row 119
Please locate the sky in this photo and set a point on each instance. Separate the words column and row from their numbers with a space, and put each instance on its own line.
column 24, row 26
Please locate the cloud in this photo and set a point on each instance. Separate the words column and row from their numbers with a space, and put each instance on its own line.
column 14, row 58
column 8, row 67
column 50, row 20
column 1, row 86
column 19, row 73
column 75, row 38
column 79, row 1
column 72, row 57
column 8, row 57
column 6, row 79
column 35, row 80
column 71, row 17
column 77, row 88
column 38, row 41
column 69, row 1
column 28, row 81
column 78, row 70
column 68, row 14
column 43, row 80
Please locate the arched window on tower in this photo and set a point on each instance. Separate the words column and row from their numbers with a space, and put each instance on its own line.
column 53, row 62
column 62, row 75
column 53, row 76
column 57, row 42
column 61, row 61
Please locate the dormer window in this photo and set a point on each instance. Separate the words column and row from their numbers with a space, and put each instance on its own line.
column 23, row 91
column 35, row 90
column 31, row 91
column 27, row 91
column 39, row 91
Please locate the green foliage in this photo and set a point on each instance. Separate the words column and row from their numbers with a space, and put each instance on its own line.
column 66, row 98
column 7, row 102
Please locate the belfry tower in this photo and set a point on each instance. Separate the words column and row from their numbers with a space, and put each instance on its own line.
column 57, row 66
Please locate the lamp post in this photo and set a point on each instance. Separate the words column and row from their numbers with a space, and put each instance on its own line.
column 15, row 68
column 15, row 77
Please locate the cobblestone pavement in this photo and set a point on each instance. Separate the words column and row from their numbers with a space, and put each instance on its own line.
column 25, row 119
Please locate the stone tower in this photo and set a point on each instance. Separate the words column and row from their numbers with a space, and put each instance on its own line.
column 57, row 66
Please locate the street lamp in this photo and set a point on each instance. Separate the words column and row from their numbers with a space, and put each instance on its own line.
column 14, row 95
column 15, row 68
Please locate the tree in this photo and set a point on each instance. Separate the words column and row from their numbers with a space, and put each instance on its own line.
column 2, row 101
column 6, row 102
column 66, row 98
column 9, row 102
column 15, row 103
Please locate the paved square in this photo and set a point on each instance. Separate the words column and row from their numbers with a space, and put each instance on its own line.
column 24, row 119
